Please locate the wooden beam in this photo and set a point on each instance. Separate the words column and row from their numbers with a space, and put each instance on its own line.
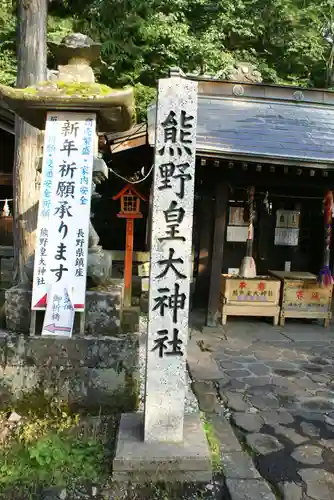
column 221, row 201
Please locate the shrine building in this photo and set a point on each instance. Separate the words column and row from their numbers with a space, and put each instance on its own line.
column 277, row 139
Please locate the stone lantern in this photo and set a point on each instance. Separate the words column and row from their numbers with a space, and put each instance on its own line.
column 72, row 87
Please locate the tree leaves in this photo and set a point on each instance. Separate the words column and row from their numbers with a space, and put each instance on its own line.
column 288, row 40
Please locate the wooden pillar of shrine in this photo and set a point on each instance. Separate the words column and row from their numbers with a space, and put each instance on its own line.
column 205, row 229
column 221, row 201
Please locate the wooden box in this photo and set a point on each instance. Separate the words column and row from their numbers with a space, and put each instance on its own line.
column 302, row 297
column 250, row 297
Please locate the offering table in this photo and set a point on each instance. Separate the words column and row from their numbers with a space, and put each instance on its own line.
column 302, row 297
column 257, row 296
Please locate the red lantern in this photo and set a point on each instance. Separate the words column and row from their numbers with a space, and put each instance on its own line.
column 130, row 210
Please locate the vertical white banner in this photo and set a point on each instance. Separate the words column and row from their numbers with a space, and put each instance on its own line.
column 64, row 208
column 171, row 259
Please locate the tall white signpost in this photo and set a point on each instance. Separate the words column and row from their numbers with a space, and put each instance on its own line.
column 59, row 285
column 171, row 259
column 173, row 443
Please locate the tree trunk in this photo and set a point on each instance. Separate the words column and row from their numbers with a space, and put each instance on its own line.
column 31, row 68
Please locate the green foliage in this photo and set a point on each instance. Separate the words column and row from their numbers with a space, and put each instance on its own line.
column 7, row 66
column 59, row 27
column 142, row 39
column 45, row 451
column 144, row 97
column 214, row 444
column 7, row 43
column 50, row 460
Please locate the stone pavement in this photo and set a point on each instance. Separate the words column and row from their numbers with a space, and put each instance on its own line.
column 277, row 388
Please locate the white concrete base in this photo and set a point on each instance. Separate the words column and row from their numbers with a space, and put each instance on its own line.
column 139, row 462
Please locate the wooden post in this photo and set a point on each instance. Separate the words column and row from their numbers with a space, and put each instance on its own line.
column 205, row 229
column 221, row 196
column 31, row 68
column 128, row 263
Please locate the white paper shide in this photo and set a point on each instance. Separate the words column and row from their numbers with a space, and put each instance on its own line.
column 171, row 259
column 59, row 284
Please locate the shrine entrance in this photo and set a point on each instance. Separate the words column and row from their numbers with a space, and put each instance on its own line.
column 220, row 224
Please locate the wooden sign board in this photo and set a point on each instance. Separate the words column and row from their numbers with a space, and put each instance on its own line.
column 287, row 219
column 251, row 290
column 306, row 296
column 64, row 207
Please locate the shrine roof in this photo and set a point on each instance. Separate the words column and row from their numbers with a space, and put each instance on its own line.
column 135, row 137
column 7, row 118
column 265, row 122
column 129, row 189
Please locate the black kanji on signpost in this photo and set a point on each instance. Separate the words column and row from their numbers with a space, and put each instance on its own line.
column 66, row 169
column 70, row 128
column 65, row 189
column 185, row 120
column 167, row 300
column 177, row 134
column 69, row 146
column 172, row 233
column 183, row 176
column 166, row 174
column 169, row 263
column 59, row 272
column 61, row 250
column 63, row 209
column 80, row 242
column 169, row 171
column 79, row 252
column 63, row 228
column 173, row 216
column 161, row 343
